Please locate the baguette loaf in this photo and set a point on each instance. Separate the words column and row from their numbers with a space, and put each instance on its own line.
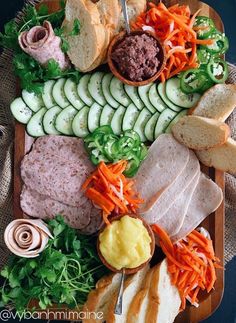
column 131, row 288
column 88, row 45
column 98, row 299
column 217, row 103
column 164, row 299
column 200, row 133
column 222, row 158
column 138, row 307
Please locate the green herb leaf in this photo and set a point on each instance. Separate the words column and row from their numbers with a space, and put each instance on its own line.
column 76, row 28
column 42, row 10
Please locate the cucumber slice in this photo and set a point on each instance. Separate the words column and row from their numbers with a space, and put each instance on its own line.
column 95, row 88
column 150, row 127
column 83, row 91
column 175, row 120
column 155, row 99
column 35, row 125
column 49, row 120
column 64, row 120
column 71, row 93
column 178, row 97
column 32, row 100
column 130, row 117
column 59, row 94
column 141, row 122
column 118, row 92
column 106, row 90
column 143, row 93
column 106, row 115
column 162, row 92
column 47, row 94
column 80, row 123
column 163, row 121
column 20, row 111
column 95, row 112
column 132, row 92
column 116, row 122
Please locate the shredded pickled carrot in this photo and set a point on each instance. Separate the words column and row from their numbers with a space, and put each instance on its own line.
column 175, row 28
column 110, row 190
column 191, row 264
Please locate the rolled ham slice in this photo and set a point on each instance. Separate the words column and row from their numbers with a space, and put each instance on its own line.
column 42, row 44
column 27, row 238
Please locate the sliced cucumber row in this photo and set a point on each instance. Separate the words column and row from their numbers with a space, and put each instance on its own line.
column 100, row 99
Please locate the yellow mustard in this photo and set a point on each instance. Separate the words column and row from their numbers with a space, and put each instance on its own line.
column 125, row 243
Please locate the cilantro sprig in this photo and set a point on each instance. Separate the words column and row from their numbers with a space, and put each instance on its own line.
column 64, row 273
column 29, row 71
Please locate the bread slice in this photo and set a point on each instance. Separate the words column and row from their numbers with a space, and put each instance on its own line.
column 88, row 45
column 98, row 299
column 131, row 288
column 138, row 306
column 222, row 158
column 134, row 9
column 200, row 133
column 164, row 299
column 217, row 103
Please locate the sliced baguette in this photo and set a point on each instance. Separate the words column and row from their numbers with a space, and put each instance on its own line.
column 200, row 133
column 98, row 299
column 217, row 103
column 88, row 45
column 164, row 299
column 222, row 158
column 138, row 307
column 131, row 288
column 134, row 9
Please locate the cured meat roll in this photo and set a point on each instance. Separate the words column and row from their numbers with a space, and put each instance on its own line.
column 42, row 44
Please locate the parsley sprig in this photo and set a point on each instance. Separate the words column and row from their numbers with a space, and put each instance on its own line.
column 30, row 72
column 64, row 273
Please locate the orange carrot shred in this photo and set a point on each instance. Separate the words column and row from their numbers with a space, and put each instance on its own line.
column 111, row 191
column 175, row 27
column 191, row 264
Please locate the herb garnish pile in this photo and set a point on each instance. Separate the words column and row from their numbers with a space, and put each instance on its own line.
column 64, row 273
column 30, row 72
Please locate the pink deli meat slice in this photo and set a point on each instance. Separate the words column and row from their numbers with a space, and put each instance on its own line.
column 165, row 161
column 42, row 44
column 173, row 219
column 206, row 199
column 171, row 194
column 95, row 223
column 41, row 206
column 57, row 173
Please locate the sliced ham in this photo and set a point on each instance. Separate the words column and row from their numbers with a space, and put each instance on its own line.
column 173, row 219
column 166, row 160
column 171, row 194
column 206, row 199
column 42, row 44
column 40, row 206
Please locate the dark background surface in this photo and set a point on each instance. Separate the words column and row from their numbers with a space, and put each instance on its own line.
column 226, row 313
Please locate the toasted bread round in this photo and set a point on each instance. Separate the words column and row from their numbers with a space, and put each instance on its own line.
column 200, row 133
column 222, row 158
column 217, row 103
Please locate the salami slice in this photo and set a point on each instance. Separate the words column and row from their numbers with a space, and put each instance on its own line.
column 42, row 44
column 95, row 223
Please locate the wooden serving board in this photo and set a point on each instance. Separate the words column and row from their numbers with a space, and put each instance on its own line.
column 214, row 222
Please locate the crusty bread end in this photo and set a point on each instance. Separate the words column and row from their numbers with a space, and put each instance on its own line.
column 200, row 133
column 217, row 103
column 222, row 158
